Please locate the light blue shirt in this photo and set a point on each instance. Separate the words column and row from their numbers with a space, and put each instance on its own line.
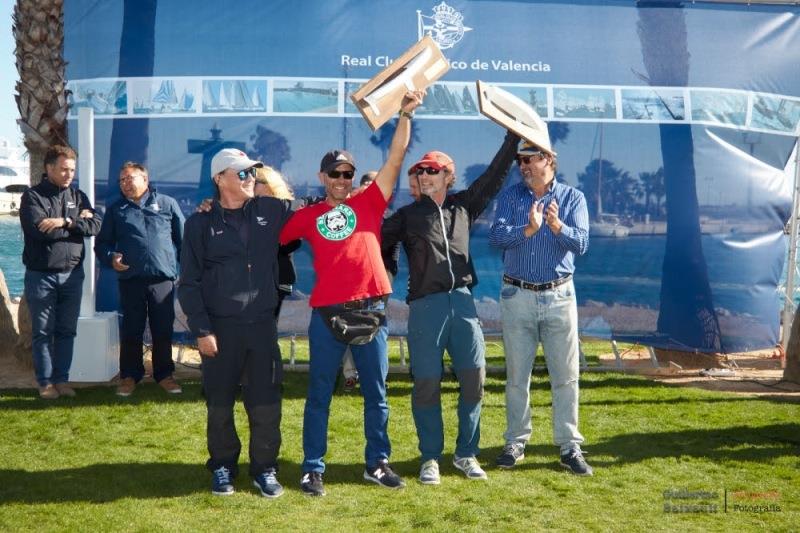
column 544, row 256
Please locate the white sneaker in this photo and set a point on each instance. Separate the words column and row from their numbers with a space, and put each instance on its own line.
column 470, row 466
column 429, row 473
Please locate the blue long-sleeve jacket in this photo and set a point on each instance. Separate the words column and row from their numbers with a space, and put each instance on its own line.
column 149, row 236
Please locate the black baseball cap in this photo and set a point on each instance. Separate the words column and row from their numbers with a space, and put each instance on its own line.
column 335, row 158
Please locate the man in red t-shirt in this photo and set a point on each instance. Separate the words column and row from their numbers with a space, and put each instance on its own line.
column 344, row 234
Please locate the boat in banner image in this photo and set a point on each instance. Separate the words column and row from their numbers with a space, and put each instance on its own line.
column 14, row 177
column 608, row 225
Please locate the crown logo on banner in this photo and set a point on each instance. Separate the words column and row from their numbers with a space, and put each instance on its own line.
column 446, row 13
column 445, row 26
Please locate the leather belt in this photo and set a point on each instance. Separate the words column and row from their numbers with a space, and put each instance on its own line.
column 536, row 286
column 364, row 303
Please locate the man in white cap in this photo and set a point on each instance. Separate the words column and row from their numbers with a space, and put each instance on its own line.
column 228, row 290
column 541, row 225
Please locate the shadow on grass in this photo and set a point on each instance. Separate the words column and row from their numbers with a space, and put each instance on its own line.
column 737, row 443
column 103, row 483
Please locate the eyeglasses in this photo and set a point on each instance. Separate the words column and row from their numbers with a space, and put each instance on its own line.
column 527, row 158
column 346, row 174
column 428, row 170
column 246, row 173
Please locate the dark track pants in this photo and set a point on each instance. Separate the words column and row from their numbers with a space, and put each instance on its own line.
column 248, row 354
column 142, row 299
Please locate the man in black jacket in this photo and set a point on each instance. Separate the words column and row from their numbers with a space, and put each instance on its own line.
column 228, row 290
column 434, row 231
column 55, row 219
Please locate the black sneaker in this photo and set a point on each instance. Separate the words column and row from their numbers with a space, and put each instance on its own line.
column 311, row 484
column 267, row 483
column 574, row 461
column 383, row 475
column 513, row 453
column 222, row 482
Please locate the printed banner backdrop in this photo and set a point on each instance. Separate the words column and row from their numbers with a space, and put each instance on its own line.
column 677, row 121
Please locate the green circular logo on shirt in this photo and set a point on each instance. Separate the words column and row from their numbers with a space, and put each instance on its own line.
column 337, row 224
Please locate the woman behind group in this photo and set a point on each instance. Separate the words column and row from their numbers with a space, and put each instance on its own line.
column 269, row 182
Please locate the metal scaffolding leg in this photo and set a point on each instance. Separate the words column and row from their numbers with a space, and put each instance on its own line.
column 402, row 351
column 653, row 358
column 618, row 358
column 791, row 269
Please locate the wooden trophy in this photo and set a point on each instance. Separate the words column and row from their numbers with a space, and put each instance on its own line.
column 514, row 114
column 419, row 67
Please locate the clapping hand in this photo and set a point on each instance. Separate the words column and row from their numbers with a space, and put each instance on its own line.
column 551, row 218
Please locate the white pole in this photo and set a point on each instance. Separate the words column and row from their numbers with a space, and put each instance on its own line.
column 86, row 176
column 791, row 269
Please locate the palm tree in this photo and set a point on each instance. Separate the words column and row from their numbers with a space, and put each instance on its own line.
column 652, row 186
column 686, row 314
column 270, row 147
column 130, row 138
column 618, row 191
column 38, row 29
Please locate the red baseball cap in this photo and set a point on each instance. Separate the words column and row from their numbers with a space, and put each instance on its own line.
column 434, row 159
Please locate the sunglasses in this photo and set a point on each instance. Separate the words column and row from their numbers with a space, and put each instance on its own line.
column 428, row 170
column 346, row 174
column 527, row 158
column 246, row 173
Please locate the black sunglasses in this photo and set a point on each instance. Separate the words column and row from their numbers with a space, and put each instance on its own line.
column 346, row 174
column 246, row 173
column 428, row 170
column 527, row 158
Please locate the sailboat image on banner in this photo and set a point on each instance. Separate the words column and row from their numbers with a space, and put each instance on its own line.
column 419, row 66
column 512, row 113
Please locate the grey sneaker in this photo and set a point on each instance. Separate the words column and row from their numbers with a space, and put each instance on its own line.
column 573, row 461
column 268, row 484
column 429, row 473
column 470, row 467
column 513, row 453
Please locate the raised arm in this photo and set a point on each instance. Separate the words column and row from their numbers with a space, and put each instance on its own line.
column 387, row 175
column 483, row 189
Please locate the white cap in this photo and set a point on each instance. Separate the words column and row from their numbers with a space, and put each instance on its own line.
column 233, row 159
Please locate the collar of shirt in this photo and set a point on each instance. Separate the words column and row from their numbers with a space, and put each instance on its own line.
column 550, row 189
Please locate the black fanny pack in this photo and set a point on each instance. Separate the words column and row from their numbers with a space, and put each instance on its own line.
column 353, row 322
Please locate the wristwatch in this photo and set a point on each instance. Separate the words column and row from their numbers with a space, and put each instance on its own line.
column 67, row 222
column 404, row 113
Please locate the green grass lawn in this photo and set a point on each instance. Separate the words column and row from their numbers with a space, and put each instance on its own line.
column 592, row 349
column 100, row 463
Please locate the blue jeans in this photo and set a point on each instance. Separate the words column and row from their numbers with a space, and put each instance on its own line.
column 439, row 321
column 54, row 301
column 549, row 317
column 372, row 363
